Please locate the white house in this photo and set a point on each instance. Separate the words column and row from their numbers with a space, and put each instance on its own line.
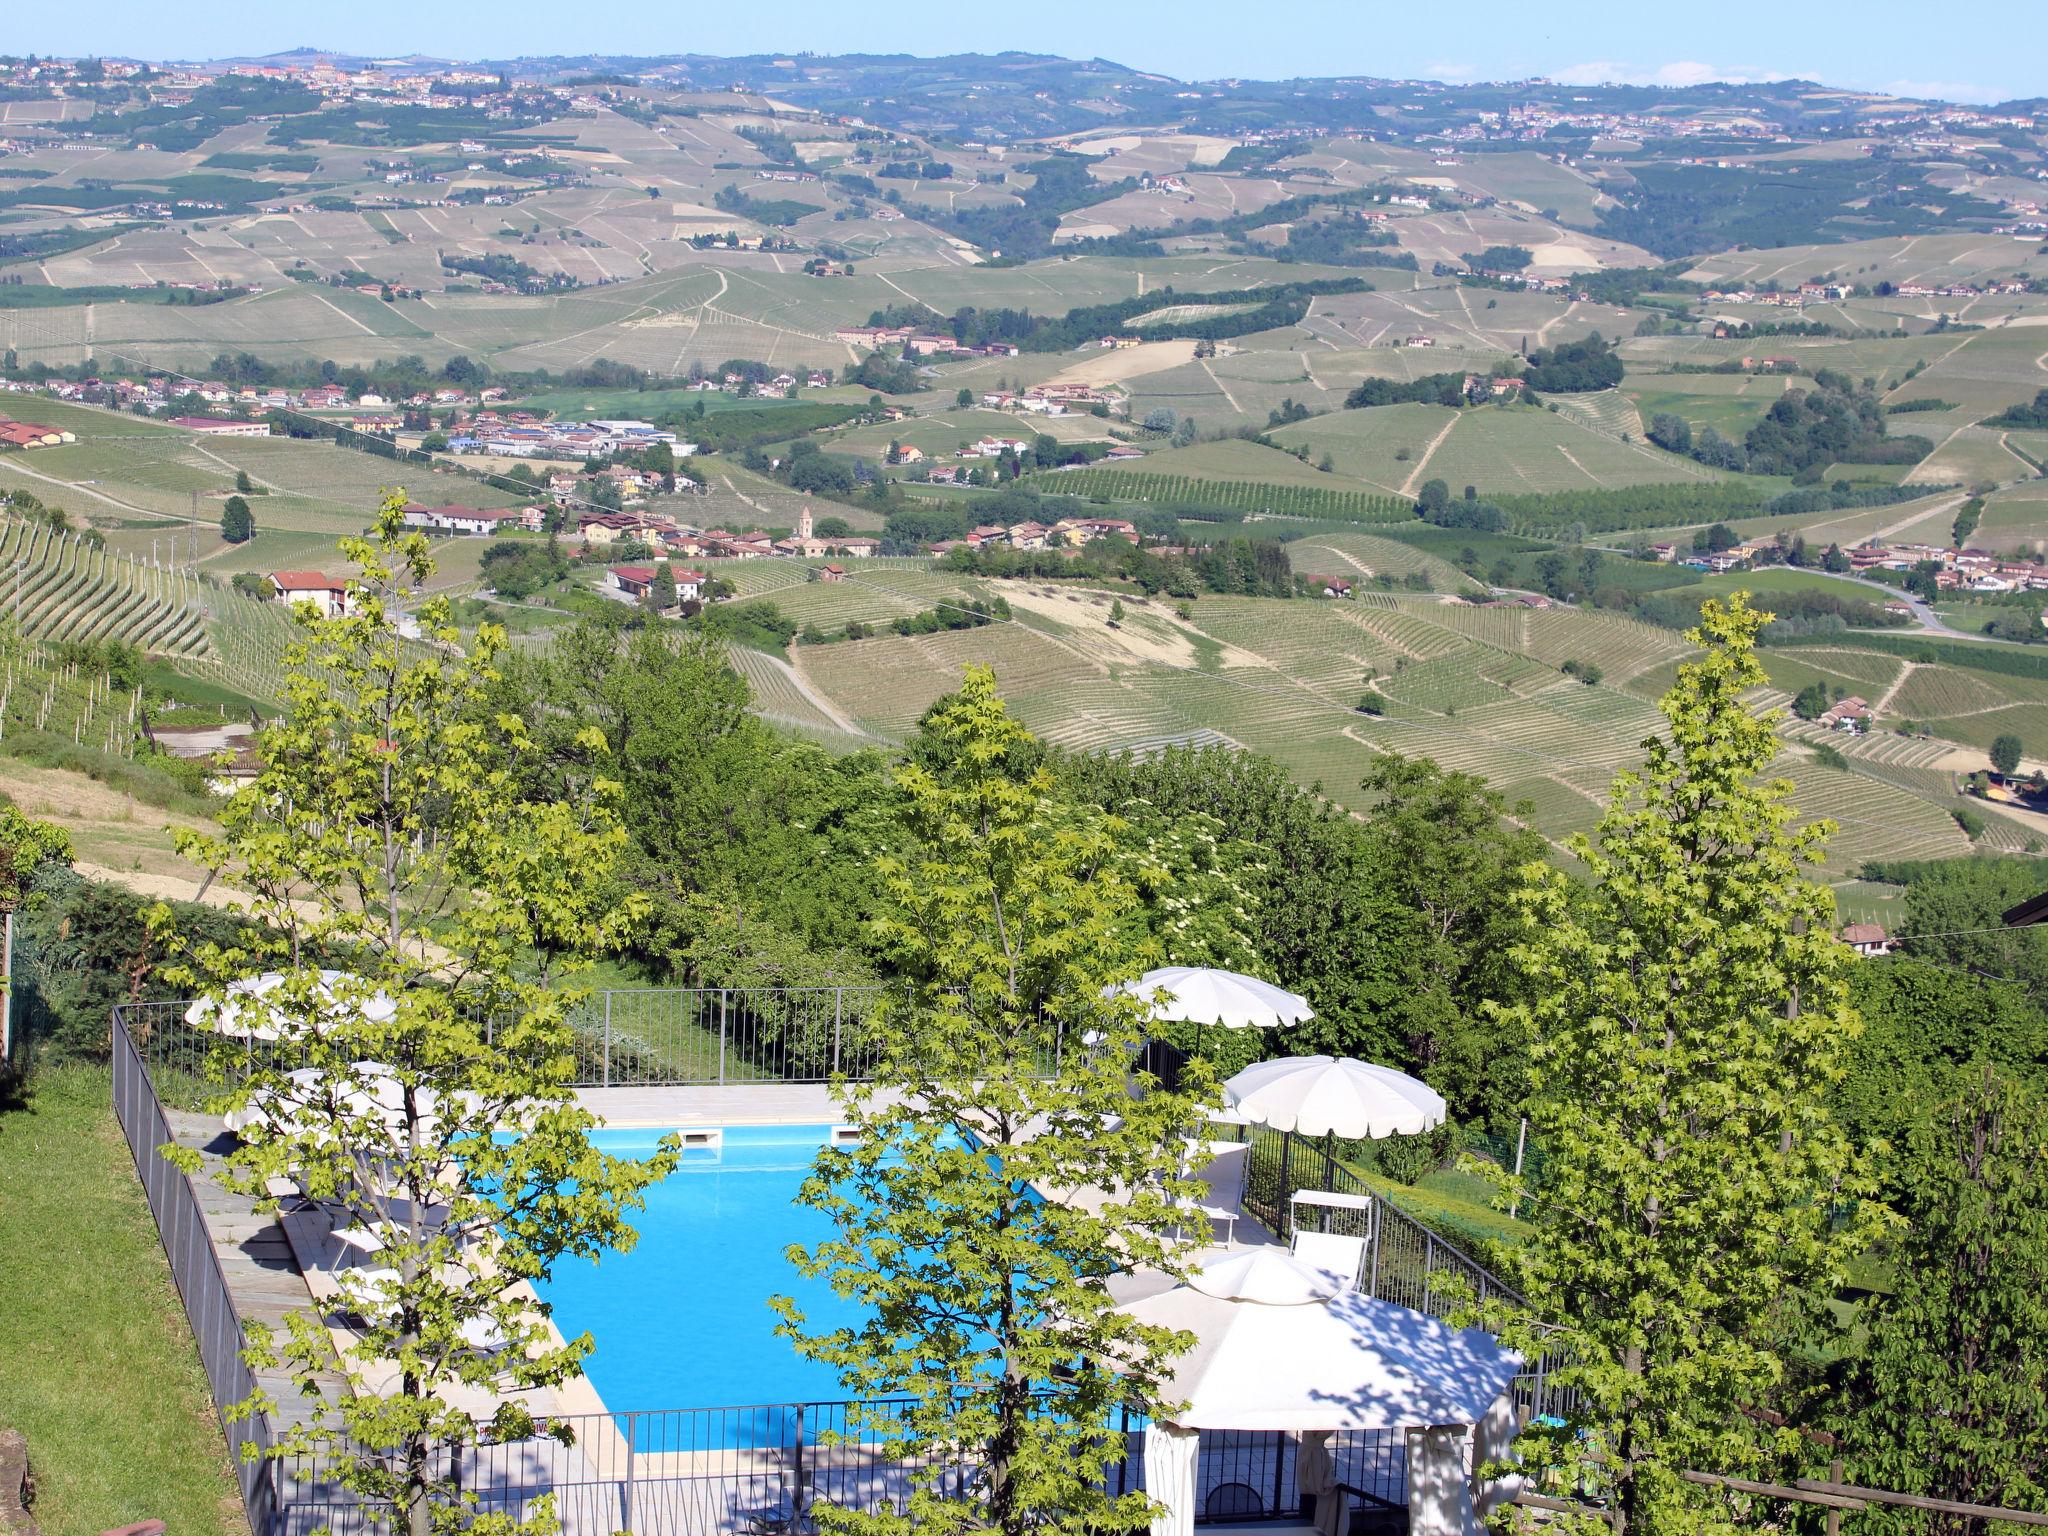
column 326, row 593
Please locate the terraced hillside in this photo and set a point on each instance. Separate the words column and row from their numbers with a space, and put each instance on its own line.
column 1478, row 688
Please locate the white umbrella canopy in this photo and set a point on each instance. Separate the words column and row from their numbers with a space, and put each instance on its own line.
column 1282, row 1345
column 1190, row 994
column 1321, row 1095
column 242, row 1012
column 367, row 1090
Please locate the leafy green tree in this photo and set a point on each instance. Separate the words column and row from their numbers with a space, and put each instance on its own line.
column 237, row 522
column 243, row 483
column 1928, row 1030
column 661, row 594
column 1004, row 1069
column 1435, row 496
column 1671, row 432
column 437, row 442
column 1441, row 851
column 1945, row 1398
column 1955, row 918
column 1811, row 702
column 385, row 827
column 964, row 398
column 26, row 846
column 1687, row 1014
column 2005, row 753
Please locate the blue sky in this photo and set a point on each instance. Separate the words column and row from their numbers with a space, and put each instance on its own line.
column 1984, row 51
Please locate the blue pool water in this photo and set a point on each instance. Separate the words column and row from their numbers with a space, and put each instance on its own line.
column 682, row 1321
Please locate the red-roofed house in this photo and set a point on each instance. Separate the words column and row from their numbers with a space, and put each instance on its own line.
column 327, row 593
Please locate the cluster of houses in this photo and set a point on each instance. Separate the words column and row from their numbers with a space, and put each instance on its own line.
column 669, row 537
column 909, row 338
column 1786, row 298
column 156, row 391
column 778, row 387
column 1068, row 533
column 1052, row 399
column 1531, row 281
column 1966, row 570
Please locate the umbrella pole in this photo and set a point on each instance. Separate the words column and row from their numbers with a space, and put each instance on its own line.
column 1286, row 1188
column 1329, row 1163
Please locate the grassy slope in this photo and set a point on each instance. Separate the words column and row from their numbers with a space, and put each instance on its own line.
column 101, row 1371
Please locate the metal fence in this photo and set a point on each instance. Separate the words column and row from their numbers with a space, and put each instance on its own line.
column 195, row 1268
column 715, row 1471
column 1406, row 1263
column 629, row 1037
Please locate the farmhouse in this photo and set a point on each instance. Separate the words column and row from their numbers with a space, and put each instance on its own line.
column 1329, row 586
column 465, row 520
column 326, row 593
column 215, row 426
column 631, row 583
column 1850, row 714
column 28, row 434
column 1868, row 939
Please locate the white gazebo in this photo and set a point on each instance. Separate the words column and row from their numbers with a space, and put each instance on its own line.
column 1282, row 1345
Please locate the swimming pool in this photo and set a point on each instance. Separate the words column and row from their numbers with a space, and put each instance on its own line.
column 682, row 1321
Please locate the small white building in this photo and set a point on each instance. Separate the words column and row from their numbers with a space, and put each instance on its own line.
column 326, row 593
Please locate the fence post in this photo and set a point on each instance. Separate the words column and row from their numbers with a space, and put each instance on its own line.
column 1521, row 1144
column 722, row 1025
column 1375, row 1230
column 797, row 1502
column 1284, row 1199
column 608, row 1041
column 632, row 1439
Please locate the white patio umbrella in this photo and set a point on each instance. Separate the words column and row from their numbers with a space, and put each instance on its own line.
column 1191, row 994
column 1201, row 995
column 1282, row 1345
column 243, row 1013
column 372, row 1092
column 1325, row 1095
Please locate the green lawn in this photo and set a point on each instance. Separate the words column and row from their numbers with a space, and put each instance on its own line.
column 100, row 1369
column 1786, row 578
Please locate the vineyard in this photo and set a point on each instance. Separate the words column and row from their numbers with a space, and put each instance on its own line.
column 1246, row 497
column 42, row 691
column 59, row 587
